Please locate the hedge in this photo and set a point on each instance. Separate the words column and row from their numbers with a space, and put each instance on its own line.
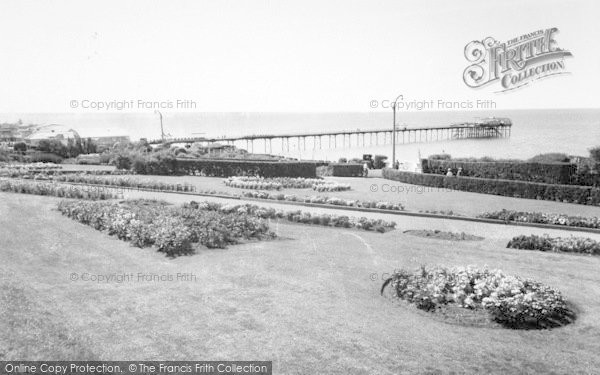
column 508, row 188
column 341, row 170
column 223, row 168
column 550, row 173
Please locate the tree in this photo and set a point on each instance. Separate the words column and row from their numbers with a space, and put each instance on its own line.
column 52, row 146
column 595, row 156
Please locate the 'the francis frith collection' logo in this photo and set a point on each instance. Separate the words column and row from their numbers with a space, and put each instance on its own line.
column 514, row 63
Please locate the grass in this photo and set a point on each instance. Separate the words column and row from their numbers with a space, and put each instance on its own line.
column 308, row 301
column 413, row 197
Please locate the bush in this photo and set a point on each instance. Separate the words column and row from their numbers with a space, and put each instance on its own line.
column 20, row 147
column 105, row 158
column 122, row 162
column 440, row 157
column 509, row 188
column 379, row 161
column 43, row 157
column 553, row 157
column 510, row 300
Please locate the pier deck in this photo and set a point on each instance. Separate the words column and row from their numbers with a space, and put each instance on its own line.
column 358, row 137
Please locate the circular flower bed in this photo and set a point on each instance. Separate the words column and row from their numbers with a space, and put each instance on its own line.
column 275, row 183
column 511, row 301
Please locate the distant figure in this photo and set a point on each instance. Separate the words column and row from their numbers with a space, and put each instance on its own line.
column 365, row 169
column 459, row 172
column 449, row 173
column 397, row 165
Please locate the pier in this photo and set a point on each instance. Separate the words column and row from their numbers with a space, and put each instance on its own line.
column 491, row 128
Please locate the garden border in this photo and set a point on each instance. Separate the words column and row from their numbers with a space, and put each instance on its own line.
column 347, row 208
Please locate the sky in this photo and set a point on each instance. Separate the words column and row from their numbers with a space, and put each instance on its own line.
column 278, row 56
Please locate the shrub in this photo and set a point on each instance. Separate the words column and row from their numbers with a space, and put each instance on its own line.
column 379, row 161
column 440, row 157
column 510, row 188
column 20, row 147
column 122, row 162
column 511, row 301
column 43, row 157
column 553, row 157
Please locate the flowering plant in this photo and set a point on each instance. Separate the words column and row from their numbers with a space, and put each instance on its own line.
column 324, row 200
column 275, row 183
column 512, row 301
column 570, row 244
column 543, row 218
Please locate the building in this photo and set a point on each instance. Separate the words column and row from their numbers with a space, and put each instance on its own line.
column 15, row 132
column 52, row 132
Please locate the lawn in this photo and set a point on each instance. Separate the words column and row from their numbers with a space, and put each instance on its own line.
column 413, row 197
column 309, row 300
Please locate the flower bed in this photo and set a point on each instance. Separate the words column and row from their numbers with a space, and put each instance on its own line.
column 101, row 179
column 570, row 244
column 26, row 187
column 330, row 186
column 122, row 181
column 31, row 166
column 46, row 173
column 543, row 218
column 324, row 200
column 509, row 300
column 172, row 230
column 276, row 183
column 298, row 216
column 451, row 236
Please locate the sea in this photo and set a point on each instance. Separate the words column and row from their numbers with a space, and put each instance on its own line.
column 534, row 131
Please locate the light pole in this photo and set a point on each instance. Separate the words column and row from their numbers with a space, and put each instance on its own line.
column 162, row 133
column 394, row 132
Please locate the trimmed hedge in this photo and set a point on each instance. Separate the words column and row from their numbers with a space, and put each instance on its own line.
column 508, row 188
column 550, row 173
column 224, row 168
column 341, row 170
